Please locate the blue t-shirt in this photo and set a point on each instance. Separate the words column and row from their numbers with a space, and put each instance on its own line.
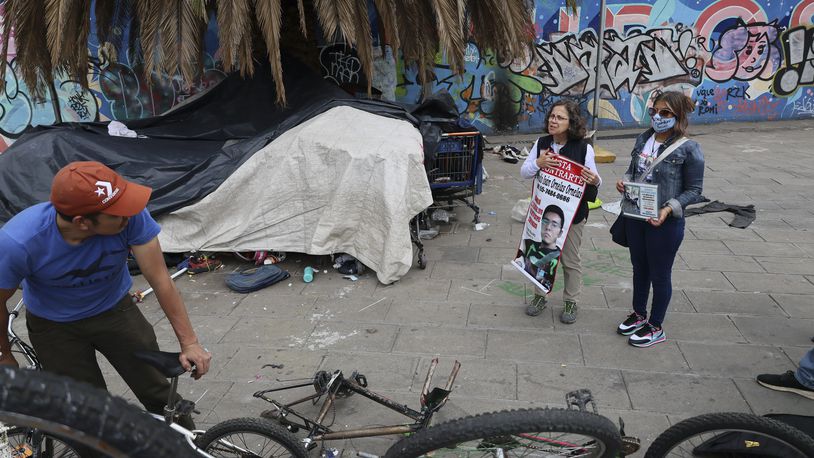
column 63, row 282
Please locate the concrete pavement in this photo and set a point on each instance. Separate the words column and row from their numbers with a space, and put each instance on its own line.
column 742, row 305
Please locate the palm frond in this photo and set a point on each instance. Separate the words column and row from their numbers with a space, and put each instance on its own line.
column 33, row 57
column 572, row 5
column 523, row 27
column 190, row 35
column 234, row 25
column 301, row 10
column 7, row 30
column 328, row 16
column 449, row 15
column 387, row 14
column 347, row 12
column 269, row 19
column 169, row 31
column 149, row 24
column 58, row 15
column 364, row 43
column 105, row 16
column 78, row 66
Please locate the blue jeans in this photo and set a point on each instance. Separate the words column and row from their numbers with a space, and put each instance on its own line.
column 652, row 252
column 805, row 374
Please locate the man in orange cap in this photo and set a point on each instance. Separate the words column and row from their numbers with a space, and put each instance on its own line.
column 70, row 255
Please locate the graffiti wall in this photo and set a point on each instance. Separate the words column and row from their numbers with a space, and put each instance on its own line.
column 740, row 60
column 117, row 88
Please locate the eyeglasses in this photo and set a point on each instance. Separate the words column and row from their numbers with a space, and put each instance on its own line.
column 552, row 224
column 558, row 118
column 664, row 113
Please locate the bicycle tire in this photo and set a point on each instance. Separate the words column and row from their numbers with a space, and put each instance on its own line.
column 241, row 427
column 19, row 441
column 80, row 413
column 668, row 442
column 516, row 426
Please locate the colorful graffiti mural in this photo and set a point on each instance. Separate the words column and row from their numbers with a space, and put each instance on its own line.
column 117, row 89
column 740, row 60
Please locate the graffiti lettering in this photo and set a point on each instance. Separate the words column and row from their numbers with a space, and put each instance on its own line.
column 803, row 107
column 798, row 46
column 341, row 64
column 79, row 105
column 737, row 92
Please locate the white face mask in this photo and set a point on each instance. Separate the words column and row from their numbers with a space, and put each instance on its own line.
column 660, row 124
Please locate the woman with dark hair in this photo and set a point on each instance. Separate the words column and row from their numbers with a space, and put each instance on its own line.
column 653, row 243
column 566, row 138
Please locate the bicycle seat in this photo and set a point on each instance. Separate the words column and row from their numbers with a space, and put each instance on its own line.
column 166, row 362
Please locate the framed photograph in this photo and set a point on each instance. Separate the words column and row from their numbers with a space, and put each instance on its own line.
column 641, row 200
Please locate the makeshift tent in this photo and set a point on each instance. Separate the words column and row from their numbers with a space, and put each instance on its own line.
column 194, row 150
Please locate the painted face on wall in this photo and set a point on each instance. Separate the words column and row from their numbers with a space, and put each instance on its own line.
column 753, row 57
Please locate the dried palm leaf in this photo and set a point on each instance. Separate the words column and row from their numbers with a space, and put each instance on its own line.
column 449, row 15
column 7, row 30
column 301, row 9
column 33, row 57
column 387, row 14
column 337, row 16
column 58, row 15
column 348, row 18
column 364, row 43
column 418, row 35
column 523, row 28
column 149, row 18
column 269, row 19
column 572, row 5
column 193, row 20
column 169, row 33
column 105, row 13
column 78, row 66
column 234, row 23
column 328, row 17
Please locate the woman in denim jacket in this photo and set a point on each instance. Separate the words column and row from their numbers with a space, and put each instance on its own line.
column 653, row 243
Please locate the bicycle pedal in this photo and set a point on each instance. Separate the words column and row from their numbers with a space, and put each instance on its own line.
column 580, row 399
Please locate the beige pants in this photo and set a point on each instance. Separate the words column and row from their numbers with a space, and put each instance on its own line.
column 571, row 263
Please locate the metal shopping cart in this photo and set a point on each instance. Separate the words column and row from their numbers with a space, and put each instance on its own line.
column 455, row 175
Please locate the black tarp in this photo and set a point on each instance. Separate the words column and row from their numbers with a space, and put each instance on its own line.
column 190, row 151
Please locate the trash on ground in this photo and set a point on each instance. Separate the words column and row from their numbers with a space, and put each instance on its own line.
column 520, row 210
column 481, row 226
column 351, row 277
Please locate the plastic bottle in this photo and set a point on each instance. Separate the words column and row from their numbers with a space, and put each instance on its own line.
column 308, row 274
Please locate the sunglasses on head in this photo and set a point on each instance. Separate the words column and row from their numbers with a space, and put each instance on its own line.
column 664, row 113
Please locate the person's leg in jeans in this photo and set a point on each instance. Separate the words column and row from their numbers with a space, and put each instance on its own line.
column 662, row 246
column 805, row 373
column 117, row 335
column 636, row 232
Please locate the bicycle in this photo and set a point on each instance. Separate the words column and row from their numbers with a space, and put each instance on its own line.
column 49, row 420
column 531, row 432
column 731, row 434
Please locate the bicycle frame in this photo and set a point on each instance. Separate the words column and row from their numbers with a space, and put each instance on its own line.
column 431, row 402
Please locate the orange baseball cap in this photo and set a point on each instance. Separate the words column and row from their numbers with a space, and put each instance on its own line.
column 87, row 187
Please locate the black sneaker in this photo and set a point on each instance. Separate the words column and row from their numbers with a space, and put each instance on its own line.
column 632, row 323
column 785, row 382
column 647, row 336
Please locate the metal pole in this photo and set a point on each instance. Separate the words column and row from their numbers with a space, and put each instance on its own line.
column 599, row 46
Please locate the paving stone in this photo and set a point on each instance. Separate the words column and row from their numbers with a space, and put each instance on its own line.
column 417, row 288
column 672, row 393
column 267, row 331
column 509, row 317
column 784, row 265
column 590, row 296
column 734, row 303
column 544, row 383
column 721, row 262
column 209, row 329
column 646, row 426
column 764, row 248
column 763, row 400
column 696, row 279
column 492, row 237
column 246, row 366
column 452, row 254
column 447, row 240
column 795, row 354
column 277, row 306
column 775, row 235
column 480, row 378
column 205, row 303
column 534, row 347
column 428, row 313
column 704, row 246
column 770, row 283
column 492, row 255
column 796, row 305
column 721, row 360
column 494, row 291
column 441, row 341
column 728, row 233
column 775, row 331
column 333, row 285
column 613, row 352
column 366, row 337
column 621, row 299
column 456, row 271
column 701, row 327
column 355, row 310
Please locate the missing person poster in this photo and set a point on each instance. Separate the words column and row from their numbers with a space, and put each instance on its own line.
column 556, row 193
column 641, row 200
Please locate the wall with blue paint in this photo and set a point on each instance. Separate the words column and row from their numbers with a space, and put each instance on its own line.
column 740, row 60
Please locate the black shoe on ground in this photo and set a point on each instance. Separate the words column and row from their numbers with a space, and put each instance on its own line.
column 785, row 382
column 632, row 323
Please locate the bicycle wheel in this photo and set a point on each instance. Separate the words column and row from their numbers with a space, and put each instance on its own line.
column 526, row 433
column 79, row 413
column 731, row 434
column 242, row 437
column 25, row 442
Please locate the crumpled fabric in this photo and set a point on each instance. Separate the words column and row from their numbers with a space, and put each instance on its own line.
column 744, row 214
column 254, row 279
column 117, row 129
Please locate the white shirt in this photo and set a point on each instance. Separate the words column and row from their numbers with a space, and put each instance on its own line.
column 529, row 168
column 648, row 155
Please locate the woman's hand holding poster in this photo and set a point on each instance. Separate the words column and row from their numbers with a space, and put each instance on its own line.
column 556, row 193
